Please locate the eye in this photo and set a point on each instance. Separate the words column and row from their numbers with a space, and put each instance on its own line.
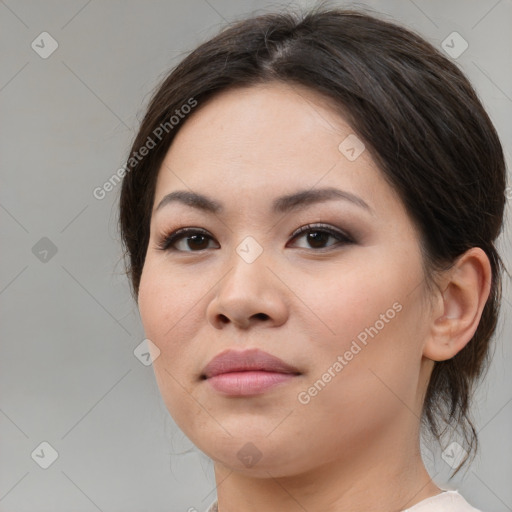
column 196, row 239
column 319, row 234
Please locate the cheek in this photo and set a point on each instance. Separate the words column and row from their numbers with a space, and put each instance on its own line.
column 356, row 296
column 169, row 317
column 374, row 383
column 167, row 302
column 371, row 321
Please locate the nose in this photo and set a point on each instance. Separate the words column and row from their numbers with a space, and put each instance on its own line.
column 248, row 295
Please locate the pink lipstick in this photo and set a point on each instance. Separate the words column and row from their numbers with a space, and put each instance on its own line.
column 248, row 372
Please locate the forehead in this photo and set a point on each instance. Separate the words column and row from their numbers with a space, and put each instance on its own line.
column 276, row 117
column 266, row 140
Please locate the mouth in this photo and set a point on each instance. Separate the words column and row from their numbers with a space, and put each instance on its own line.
column 248, row 372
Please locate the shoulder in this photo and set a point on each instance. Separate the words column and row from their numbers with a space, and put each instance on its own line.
column 447, row 501
column 213, row 507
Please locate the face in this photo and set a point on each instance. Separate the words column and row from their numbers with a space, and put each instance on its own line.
column 342, row 302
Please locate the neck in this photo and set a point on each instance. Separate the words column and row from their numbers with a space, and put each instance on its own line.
column 381, row 477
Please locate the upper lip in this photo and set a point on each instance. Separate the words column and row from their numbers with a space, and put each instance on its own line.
column 246, row 360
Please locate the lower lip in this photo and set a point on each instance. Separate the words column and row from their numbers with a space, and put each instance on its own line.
column 248, row 383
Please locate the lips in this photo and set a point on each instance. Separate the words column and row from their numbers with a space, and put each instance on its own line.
column 246, row 373
column 252, row 360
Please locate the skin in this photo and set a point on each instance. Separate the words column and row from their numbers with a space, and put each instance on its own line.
column 355, row 445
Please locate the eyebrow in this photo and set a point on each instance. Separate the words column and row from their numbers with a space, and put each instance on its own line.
column 280, row 205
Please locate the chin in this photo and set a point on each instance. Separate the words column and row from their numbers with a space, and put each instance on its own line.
column 259, row 456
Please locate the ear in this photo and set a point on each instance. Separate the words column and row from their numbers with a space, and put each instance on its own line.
column 464, row 291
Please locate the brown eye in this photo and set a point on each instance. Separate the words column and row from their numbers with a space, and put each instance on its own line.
column 318, row 235
column 192, row 240
column 197, row 240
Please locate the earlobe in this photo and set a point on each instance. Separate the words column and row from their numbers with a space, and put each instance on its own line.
column 465, row 291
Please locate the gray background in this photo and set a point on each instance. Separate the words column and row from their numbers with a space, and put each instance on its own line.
column 69, row 328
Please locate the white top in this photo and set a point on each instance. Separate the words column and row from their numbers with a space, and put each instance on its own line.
column 446, row 501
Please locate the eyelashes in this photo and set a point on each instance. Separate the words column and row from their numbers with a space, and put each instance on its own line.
column 167, row 242
column 199, row 238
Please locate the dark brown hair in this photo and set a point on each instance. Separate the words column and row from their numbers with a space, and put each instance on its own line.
column 418, row 116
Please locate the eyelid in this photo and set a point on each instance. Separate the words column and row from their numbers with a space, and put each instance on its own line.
column 168, row 238
column 322, row 227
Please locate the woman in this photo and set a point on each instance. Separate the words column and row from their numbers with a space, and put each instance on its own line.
column 310, row 213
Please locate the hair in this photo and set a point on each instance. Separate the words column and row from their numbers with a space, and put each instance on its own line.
column 416, row 113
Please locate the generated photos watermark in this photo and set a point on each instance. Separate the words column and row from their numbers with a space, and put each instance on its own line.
column 137, row 156
column 305, row 396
